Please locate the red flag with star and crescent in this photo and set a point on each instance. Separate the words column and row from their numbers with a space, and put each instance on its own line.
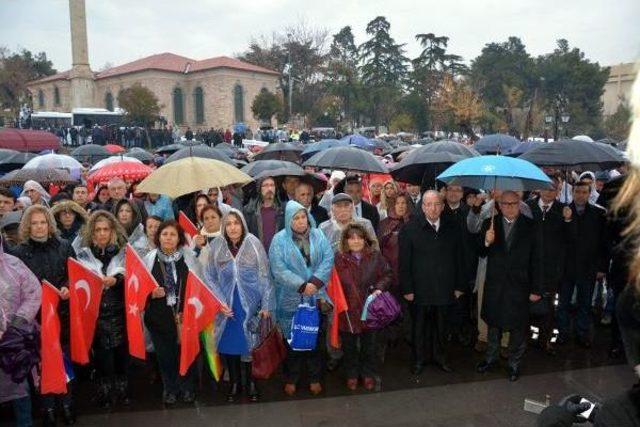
column 200, row 309
column 186, row 224
column 53, row 376
column 139, row 283
column 85, row 293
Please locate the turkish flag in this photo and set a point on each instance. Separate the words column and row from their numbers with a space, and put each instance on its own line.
column 139, row 283
column 187, row 225
column 200, row 308
column 54, row 378
column 85, row 293
column 336, row 293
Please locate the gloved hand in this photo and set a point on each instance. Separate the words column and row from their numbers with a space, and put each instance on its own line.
column 572, row 405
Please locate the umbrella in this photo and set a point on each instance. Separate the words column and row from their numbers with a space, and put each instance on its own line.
column 523, row 147
column 491, row 172
column 53, row 161
column 423, row 164
column 317, row 183
column 495, row 143
column 570, row 153
column 358, row 140
column 169, row 149
column 141, row 154
column 280, row 151
column 346, row 158
column 11, row 159
column 583, row 138
column 227, row 149
column 114, row 148
column 191, row 174
column 314, row 147
column 112, row 159
column 202, row 151
column 256, row 167
column 28, row 140
column 90, row 152
column 130, row 171
column 42, row 175
column 608, row 140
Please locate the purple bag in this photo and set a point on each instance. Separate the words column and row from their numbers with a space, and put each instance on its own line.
column 383, row 310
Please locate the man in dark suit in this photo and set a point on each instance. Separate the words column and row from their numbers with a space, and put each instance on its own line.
column 509, row 241
column 304, row 195
column 553, row 221
column 431, row 279
column 586, row 262
column 362, row 209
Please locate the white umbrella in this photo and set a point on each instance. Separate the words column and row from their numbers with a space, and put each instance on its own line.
column 113, row 159
column 583, row 138
column 53, row 161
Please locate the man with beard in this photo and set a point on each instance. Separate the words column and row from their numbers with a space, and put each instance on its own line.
column 264, row 214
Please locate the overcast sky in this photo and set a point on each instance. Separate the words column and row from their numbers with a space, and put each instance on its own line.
column 124, row 30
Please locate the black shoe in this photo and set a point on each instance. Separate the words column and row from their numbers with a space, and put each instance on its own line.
column 169, row 399
column 49, row 418
column 483, row 367
column 252, row 392
column 417, row 369
column 514, row 374
column 332, row 364
column 104, row 398
column 188, row 397
column 122, row 391
column 234, row 393
column 68, row 415
column 445, row 368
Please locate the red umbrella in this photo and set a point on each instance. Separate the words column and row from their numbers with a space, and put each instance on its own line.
column 114, row 148
column 129, row 171
column 28, row 140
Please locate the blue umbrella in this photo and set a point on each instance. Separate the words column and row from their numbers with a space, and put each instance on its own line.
column 523, row 147
column 314, row 147
column 359, row 141
column 495, row 143
column 496, row 172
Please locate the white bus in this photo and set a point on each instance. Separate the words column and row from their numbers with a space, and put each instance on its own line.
column 50, row 119
column 88, row 117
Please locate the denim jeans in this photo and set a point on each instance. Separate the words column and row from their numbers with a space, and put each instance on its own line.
column 22, row 411
column 583, row 301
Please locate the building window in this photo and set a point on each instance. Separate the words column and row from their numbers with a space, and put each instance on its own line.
column 178, row 106
column 238, row 103
column 41, row 98
column 198, row 99
column 56, row 95
column 108, row 101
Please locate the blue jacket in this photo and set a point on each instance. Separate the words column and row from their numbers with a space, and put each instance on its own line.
column 162, row 208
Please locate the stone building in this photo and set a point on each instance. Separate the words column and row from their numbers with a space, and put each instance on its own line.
column 618, row 87
column 215, row 92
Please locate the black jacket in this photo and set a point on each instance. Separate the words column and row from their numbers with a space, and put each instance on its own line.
column 253, row 218
column 430, row 264
column 553, row 234
column 513, row 273
column 587, row 254
column 111, row 328
column 370, row 212
column 469, row 255
column 319, row 214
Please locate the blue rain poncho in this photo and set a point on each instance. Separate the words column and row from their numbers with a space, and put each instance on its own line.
column 248, row 271
column 290, row 269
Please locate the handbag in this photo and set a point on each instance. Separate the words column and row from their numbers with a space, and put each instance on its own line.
column 270, row 353
column 381, row 311
column 305, row 326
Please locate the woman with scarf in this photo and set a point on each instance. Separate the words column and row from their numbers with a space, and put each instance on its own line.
column 100, row 247
column 70, row 217
column 211, row 220
column 301, row 260
column 238, row 272
column 128, row 215
column 169, row 264
column 20, row 298
column 46, row 256
column 36, row 193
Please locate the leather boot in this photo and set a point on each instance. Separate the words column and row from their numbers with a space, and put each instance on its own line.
column 68, row 415
column 122, row 390
column 249, row 384
column 103, row 397
column 233, row 365
column 49, row 417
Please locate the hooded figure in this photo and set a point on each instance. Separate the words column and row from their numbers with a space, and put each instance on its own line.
column 31, row 186
column 20, row 298
column 593, row 196
column 239, row 276
column 80, row 217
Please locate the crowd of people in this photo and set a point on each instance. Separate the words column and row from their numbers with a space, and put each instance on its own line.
column 468, row 266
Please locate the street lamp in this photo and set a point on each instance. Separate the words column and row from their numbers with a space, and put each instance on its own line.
column 565, row 119
column 548, row 119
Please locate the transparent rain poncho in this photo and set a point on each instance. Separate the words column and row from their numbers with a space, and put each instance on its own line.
column 248, row 271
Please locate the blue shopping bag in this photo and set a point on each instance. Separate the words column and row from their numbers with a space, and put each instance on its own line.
column 305, row 326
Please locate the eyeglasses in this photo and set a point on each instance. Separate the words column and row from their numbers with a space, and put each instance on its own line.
column 509, row 203
column 429, row 205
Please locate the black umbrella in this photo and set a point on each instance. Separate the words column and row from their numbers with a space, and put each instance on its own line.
column 280, row 151
column 279, row 174
column 169, row 149
column 90, row 153
column 43, row 176
column 203, row 151
column 346, row 158
column 495, row 143
column 570, row 153
column 423, row 164
column 140, row 154
column 254, row 168
column 227, row 149
column 11, row 159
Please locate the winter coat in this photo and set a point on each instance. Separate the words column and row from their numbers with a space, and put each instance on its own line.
column 360, row 278
column 80, row 220
column 513, row 273
column 587, row 254
column 388, row 239
column 253, row 218
column 290, row 270
column 20, row 298
column 161, row 207
column 110, row 329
